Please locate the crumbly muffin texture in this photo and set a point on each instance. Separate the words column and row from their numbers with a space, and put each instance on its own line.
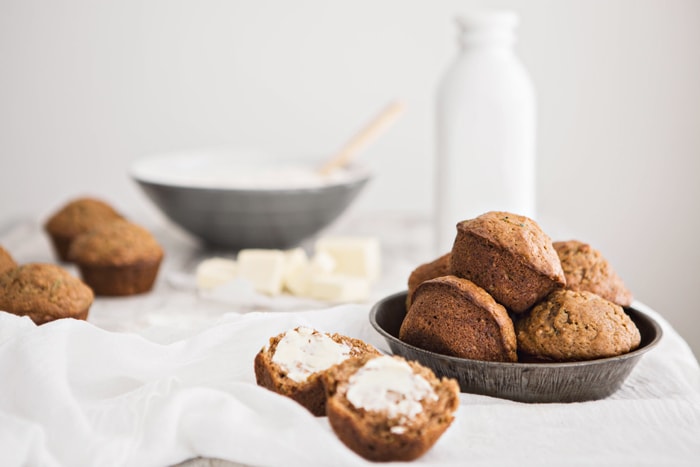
column 509, row 256
column 403, row 413
column 586, row 269
column 300, row 375
column 7, row 262
column 454, row 316
column 572, row 326
column 44, row 292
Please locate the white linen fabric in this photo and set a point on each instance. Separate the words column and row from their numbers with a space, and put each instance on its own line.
column 156, row 379
column 73, row 394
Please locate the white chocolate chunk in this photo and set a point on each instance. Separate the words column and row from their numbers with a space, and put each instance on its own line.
column 338, row 288
column 263, row 268
column 213, row 272
column 387, row 384
column 354, row 256
column 303, row 351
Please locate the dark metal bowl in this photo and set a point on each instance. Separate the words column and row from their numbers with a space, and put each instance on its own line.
column 524, row 382
column 241, row 218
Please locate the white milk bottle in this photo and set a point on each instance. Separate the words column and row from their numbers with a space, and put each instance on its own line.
column 485, row 128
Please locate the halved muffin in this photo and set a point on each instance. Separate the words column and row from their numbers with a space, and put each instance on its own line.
column 386, row 408
column 293, row 363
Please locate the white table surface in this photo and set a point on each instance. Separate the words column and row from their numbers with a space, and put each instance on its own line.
column 654, row 419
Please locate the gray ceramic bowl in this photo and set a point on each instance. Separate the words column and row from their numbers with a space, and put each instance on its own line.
column 525, row 382
column 207, row 194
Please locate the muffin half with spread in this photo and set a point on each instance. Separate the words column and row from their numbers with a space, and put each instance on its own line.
column 387, row 408
column 293, row 363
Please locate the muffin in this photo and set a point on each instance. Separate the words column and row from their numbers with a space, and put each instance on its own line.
column 76, row 217
column 44, row 292
column 6, row 261
column 117, row 258
column 509, row 256
column 436, row 268
column 293, row 363
column 573, row 326
column 385, row 408
column 454, row 316
column 586, row 269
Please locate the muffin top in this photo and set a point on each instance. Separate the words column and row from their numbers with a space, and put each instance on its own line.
column 115, row 243
column 585, row 268
column 43, row 292
column 520, row 235
column 571, row 326
column 80, row 215
column 6, row 261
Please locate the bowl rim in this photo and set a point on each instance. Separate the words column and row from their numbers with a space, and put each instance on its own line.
column 357, row 173
column 518, row 365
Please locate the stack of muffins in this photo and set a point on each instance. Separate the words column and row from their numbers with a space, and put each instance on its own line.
column 115, row 258
column 506, row 292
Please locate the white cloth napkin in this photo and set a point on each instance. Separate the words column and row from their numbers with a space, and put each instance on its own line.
column 73, row 394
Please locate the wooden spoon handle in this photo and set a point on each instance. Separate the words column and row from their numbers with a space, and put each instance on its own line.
column 365, row 136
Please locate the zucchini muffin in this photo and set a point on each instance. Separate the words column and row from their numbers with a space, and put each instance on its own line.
column 453, row 316
column 293, row 363
column 436, row 268
column 585, row 268
column 117, row 258
column 386, row 408
column 44, row 292
column 509, row 256
column 7, row 262
column 76, row 217
column 573, row 326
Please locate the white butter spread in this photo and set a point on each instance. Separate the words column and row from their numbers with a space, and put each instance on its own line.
column 303, row 351
column 386, row 384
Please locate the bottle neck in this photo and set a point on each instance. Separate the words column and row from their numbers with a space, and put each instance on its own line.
column 494, row 29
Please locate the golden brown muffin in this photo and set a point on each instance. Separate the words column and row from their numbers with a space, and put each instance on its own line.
column 117, row 258
column 44, row 292
column 572, row 326
column 293, row 363
column 436, row 268
column 509, row 256
column 388, row 409
column 585, row 268
column 7, row 262
column 454, row 316
column 76, row 217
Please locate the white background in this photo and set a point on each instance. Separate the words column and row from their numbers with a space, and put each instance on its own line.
column 86, row 87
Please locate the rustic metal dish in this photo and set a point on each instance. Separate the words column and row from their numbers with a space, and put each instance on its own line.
column 524, row 382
